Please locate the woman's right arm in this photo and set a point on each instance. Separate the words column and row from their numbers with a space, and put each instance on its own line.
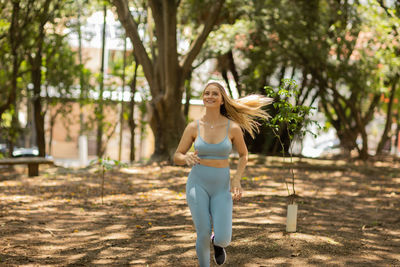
column 181, row 156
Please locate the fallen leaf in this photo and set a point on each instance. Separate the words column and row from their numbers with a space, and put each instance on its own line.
column 295, row 254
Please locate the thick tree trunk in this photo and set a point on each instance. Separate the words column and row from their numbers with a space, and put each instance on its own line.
column 36, row 73
column 37, row 101
column 167, row 123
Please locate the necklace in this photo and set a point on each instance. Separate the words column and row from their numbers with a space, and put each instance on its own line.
column 212, row 125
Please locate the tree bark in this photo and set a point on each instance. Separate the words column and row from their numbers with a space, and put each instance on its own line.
column 188, row 97
column 36, row 73
column 131, row 119
column 388, row 123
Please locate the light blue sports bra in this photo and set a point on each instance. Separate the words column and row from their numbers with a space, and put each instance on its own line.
column 213, row 151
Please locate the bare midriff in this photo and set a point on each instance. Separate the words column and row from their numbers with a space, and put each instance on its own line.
column 216, row 163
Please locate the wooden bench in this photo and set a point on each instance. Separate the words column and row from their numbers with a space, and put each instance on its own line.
column 32, row 162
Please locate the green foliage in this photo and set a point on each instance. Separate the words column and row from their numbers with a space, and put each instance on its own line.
column 227, row 36
column 294, row 118
column 104, row 165
column 289, row 117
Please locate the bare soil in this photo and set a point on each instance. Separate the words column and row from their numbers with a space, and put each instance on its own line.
column 348, row 216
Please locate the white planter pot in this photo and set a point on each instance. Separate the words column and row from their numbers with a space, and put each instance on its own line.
column 291, row 218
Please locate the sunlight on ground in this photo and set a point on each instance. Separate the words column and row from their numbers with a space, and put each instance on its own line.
column 315, row 239
column 346, row 217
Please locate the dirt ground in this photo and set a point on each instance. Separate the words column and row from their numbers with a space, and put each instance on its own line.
column 349, row 215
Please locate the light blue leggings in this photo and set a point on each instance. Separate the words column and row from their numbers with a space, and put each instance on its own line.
column 209, row 199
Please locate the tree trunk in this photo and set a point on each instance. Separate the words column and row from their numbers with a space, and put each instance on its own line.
column 188, row 97
column 37, row 101
column 397, row 133
column 12, row 96
column 363, row 153
column 167, row 129
column 131, row 119
column 388, row 123
column 99, row 112
column 51, row 132
column 36, row 73
column 14, row 43
column 121, row 115
column 82, row 86
column 223, row 65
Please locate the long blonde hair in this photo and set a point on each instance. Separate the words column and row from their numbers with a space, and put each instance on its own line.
column 243, row 110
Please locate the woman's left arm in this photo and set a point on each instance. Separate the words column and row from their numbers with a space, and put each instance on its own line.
column 241, row 148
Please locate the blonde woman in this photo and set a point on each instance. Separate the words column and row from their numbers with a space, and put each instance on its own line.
column 209, row 187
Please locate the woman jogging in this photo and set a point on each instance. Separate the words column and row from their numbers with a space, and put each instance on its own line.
column 209, row 185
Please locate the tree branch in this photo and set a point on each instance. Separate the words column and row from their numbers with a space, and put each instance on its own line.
column 131, row 28
column 195, row 48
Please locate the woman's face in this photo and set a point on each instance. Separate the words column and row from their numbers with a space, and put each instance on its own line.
column 212, row 97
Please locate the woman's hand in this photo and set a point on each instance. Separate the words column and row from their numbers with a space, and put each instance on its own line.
column 192, row 159
column 236, row 189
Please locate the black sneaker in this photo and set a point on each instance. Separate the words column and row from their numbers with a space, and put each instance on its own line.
column 219, row 253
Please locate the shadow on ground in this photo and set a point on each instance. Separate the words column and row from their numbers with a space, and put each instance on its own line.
column 348, row 216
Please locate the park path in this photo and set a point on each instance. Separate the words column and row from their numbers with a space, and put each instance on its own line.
column 348, row 216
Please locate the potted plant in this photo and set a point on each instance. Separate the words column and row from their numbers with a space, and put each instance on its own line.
column 292, row 120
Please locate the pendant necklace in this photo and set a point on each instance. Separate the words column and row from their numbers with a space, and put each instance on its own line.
column 211, row 125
